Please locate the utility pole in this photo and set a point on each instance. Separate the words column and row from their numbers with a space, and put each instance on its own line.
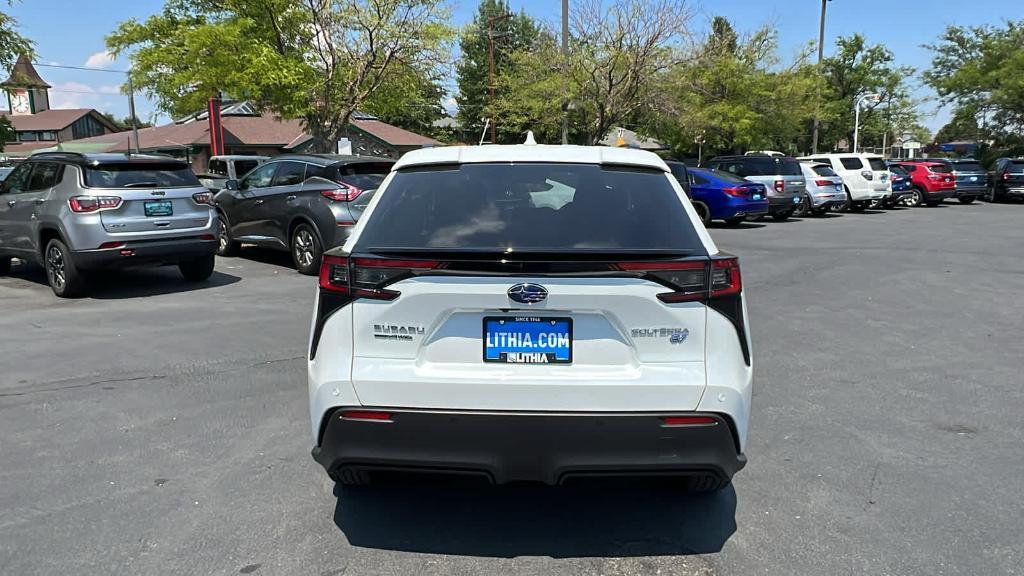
column 131, row 112
column 565, row 72
column 821, row 55
column 490, row 69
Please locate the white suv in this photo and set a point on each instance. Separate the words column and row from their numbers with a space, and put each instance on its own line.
column 866, row 176
column 530, row 313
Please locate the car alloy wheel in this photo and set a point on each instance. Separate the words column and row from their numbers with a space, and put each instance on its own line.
column 304, row 247
column 55, row 267
column 222, row 236
column 803, row 208
column 915, row 198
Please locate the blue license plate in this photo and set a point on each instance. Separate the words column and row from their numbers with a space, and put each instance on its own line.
column 158, row 208
column 527, row 340
column 839, row 187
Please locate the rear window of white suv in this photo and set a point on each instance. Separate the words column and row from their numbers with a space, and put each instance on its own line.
column 538, row 207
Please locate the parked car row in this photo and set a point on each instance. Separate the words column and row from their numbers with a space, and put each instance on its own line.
column 737, row 188
column 79, row 213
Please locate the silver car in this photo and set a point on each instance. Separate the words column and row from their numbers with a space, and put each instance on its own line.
column 781, row 175
column 75, row 213
column 824, row 189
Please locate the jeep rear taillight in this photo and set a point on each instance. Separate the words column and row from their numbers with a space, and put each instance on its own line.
column 693, row 280
column 368, row 277
column 86, row 204
column 203, row 198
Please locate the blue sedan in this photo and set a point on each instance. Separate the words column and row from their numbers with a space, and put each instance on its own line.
column 718, row 195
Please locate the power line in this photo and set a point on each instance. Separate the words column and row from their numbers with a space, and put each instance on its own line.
column 79, row 68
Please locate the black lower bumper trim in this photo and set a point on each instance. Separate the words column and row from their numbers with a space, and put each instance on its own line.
column 533, row 447
column 146, row 253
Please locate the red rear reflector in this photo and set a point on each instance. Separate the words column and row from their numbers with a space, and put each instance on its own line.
column 346, row 223
column 207, row 237
column 366, row 415
column 111, row 245
column 127, row 252
column 689, row 421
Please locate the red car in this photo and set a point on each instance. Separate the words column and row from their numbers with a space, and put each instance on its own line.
column 932, row 182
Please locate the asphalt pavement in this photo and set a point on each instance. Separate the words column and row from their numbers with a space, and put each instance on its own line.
column 158, row 427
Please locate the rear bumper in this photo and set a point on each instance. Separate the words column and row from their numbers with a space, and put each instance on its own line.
column 739, row 208
column 147, row 253
column 778, row 204
column 970, row 191
column 537, row 447
column 939, row 195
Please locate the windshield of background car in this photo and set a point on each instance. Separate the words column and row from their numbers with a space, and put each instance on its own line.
column 877, row 164
column 364, row 175
column 529, row 207
column 139, row 174
column 729, row 177
column 939, row 168
column 821, row 170
column 242, row 167
column 968, row 167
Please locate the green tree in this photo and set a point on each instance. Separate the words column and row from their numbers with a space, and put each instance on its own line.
column 735, row 95
column 618, row 53
column 12, row 44
column 319, row 60
column 126, row 122
column 980, row 70
column 512, row 33
column 962, row 126
column 857, row 69
column 7, row 132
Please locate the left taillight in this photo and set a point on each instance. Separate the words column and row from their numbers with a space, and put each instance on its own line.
column 368, row 277
column 203, row 198
column 692, row 281
column 87, row 204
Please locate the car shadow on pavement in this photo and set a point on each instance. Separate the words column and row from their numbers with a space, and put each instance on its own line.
column 265, row 256
column 740, row 226
column 131, row 283
column 597, row 518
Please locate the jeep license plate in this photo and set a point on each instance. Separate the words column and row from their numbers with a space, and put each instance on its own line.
column 158, row 208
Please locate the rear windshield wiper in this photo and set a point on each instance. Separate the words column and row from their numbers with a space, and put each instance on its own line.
column 141, row 185
column 578, row 255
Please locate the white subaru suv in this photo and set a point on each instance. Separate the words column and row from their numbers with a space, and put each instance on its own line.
column 530, row 313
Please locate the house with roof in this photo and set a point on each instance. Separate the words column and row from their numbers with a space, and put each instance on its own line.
column 36, row 125
column 250, row 131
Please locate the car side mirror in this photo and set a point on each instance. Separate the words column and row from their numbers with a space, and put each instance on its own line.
column 232, row 185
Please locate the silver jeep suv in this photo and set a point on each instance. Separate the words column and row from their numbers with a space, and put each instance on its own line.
column 75, row 213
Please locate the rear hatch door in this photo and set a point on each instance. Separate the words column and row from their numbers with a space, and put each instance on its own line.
column 156, row 197
column 541, row 291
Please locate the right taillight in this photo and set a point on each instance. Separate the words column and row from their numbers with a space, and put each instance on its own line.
column 691, row 281
column 86, row 204
column 780, row 186
column 367, row 277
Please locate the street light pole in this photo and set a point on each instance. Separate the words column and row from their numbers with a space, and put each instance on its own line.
column 856, row 115
column 817, row 100
column 565, row 71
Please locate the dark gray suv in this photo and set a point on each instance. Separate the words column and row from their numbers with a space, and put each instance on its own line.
column 301, row 203
column 75, row 213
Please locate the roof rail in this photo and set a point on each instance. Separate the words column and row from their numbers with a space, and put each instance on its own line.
column 58, row 154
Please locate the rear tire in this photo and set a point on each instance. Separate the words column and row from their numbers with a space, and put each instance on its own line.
column 306, row 250
column 803, row 208
column 966, row 199
column 197, row 270
column 916, row 197
column 351, row 477
column 64, row 278
column 858, row 206
column 226, row 247
column 705, row 484
column 702, row 211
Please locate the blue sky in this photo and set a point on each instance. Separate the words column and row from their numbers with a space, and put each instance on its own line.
column 71, row 33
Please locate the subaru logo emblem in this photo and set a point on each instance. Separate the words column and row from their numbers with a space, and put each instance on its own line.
column 527, row 293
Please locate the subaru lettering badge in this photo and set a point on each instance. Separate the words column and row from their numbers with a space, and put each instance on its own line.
column 527, row 293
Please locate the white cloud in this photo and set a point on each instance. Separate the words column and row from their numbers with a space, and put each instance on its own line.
column 73, row 94
column 101, row 60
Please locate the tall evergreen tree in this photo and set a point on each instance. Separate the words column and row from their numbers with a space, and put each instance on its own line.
column 512, row 34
